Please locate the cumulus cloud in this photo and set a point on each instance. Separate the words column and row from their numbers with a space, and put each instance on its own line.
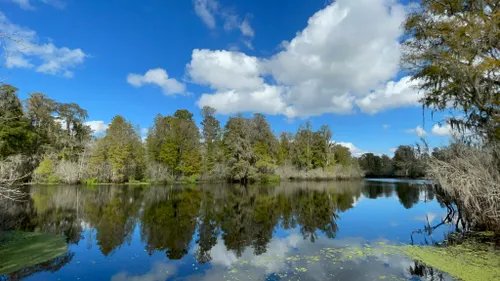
column 158, row 77
column 159, row 271
column 443, row 131
column 345, row 56
column 393, row 95
column 97, row 127
column 355, row 151
column 23, row 51
column 419, row 131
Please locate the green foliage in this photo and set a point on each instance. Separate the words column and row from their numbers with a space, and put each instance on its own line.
column 342, row 155
column 174, row 141
column 407, row 162
column 451, row 47
column 91, row 181
column 267, row 178
column 122, row 150
column 16, row 133
column 211, row 137
column 45, row 173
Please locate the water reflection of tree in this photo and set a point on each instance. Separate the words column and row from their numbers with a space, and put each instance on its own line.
column 316, row 211
column 408, row 195
column 208, row 228
column 425, row 272
column 242, row 217
column 169, row 223
column 112, row 212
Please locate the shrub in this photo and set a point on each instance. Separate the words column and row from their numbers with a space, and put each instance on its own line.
column 269, row 178
column 68, row 172
column 472, row 178
column 158, row 173
column 91, row 181
column 45, row 172
column 190, row 179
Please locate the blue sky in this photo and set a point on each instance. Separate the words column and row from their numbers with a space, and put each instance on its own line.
column 334, row 63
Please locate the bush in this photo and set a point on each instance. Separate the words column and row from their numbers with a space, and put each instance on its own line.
column 91, row 181
column 45, row 172
column 337, row 172
column 158, row 173
column 269, row 178
column 471, row 177
column 68, row 172
column 190, row 179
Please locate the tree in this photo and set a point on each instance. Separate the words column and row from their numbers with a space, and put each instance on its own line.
column 404, row 160
column 371, row 164
column 211, row 137
column 342, row 155
column 16, row 134
column 122, row 149
column 76, row 133
column 452, row 50
column 40, row 110
column 239, row 155
column 302, row 147
column 265, row 146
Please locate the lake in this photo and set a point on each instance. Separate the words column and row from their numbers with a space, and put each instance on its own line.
column 292, row 231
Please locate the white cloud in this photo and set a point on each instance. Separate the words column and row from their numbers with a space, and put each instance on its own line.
column 246, row 29
column 158, row 77
column 355, row 151
column 59, row 4
column 393, row 95
column 97, row 127
column 393, row 150
column 211, row 10
column 205, row 9
column 144, row 131
column 159, row 271
column 24, row 4
column 386, row 126
column 224, row 70
column 22, row 51
column 443, row 131
column 27, row 5
column 419, row 131
column 334, row 63
column 266, row 98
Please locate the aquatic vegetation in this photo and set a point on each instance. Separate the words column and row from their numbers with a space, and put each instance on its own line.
column 22, row 249
column 469, row 261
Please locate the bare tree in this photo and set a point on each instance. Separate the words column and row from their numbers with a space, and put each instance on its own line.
column 11, row 173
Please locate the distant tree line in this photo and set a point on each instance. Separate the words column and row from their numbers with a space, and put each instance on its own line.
column 51, row 143
column 408, row 162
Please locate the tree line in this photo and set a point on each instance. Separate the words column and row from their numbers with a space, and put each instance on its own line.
column 49, row 142
column 52, row 140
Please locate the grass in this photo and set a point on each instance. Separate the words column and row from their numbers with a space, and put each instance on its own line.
column 23, row 249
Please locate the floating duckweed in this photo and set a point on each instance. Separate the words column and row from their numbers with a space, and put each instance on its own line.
column 469, row 261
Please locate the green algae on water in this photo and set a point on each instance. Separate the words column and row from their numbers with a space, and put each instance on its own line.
column 469, row 261
column 23, row 249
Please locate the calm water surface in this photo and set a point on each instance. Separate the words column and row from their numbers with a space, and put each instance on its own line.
column 294, row 231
